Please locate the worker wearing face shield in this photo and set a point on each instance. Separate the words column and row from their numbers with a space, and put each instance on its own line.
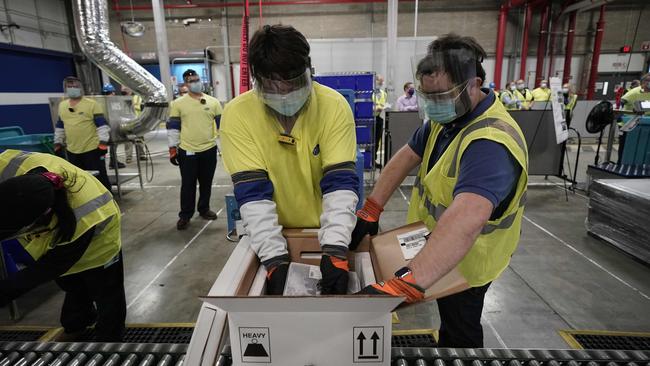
column 69, row 226
column 290, row 148
column 82, row 130
column 192, row 132
column 469, row 191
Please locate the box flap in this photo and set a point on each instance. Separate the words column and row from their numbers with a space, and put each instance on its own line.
column 306, row 304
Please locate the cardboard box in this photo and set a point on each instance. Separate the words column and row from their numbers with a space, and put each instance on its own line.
column 394, row 249
column 318, row 330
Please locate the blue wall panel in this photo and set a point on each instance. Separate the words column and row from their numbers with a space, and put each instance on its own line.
column 27, row 69
column 31, row 70
column 33, row 118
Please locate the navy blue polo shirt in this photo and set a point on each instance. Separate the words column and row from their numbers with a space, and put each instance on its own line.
column 486, row 168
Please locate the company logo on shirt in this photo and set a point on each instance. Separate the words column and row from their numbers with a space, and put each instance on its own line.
column 316, row 150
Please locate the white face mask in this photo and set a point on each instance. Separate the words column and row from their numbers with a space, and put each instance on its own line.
column 543, row 85
column 513, row 87
column 288, row 104
column 565, row 90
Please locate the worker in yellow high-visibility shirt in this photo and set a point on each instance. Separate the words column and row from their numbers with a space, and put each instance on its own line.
column 542, row 94
column 570, row 99
column 82, row 130
column 290, row 147
column 69, row 226
column 379, row 97
column 524, row 95
column 639, row 93
column 192, row 138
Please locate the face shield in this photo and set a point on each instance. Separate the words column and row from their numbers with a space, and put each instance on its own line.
column 287, row 97
column 442, row 83
column 72, row 87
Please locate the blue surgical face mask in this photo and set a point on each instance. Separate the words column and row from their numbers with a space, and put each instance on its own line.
column 196, row 87
column 288, row 104
column 72, row 92
column 440, row 112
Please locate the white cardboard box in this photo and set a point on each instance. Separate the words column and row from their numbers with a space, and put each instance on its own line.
column 332, row 331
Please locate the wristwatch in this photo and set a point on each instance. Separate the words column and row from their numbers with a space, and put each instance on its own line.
column 403, row 272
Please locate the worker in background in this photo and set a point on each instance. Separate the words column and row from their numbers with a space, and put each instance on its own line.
column 82, row 130
column 492, row 87
column 290, row 148
column 543, row 93
column 182, row 90
column 408, row 101
column 570, row 99
column 470, row 189
column 379, row 99
column 137, row 105
column 109, row 89
column 192, row 135
column 509, row 97
column 633, row 84
column 524, row 95
column 641, row 92
column 69, row 224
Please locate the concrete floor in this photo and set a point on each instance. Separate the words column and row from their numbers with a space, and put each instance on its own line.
column 559, row 278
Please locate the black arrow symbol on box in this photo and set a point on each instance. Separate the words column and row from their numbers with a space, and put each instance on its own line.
column 374, row 338
column 361, row 338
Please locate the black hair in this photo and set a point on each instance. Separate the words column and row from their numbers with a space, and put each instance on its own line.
column 453, row 41
column 188, row 72
column 278, row 51
column 66, row 219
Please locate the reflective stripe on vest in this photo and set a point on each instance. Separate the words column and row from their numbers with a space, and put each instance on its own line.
column 92, row 205
column 488, row 122
column 14, row 164
column 437, row 210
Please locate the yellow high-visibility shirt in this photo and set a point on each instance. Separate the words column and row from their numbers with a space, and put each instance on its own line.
column 79, row 124
column 541, row 95
column 324, row 135
column 198, row 126
column 634, row 95
column 136, row 101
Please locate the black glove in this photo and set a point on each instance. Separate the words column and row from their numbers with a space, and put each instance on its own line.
column 367, row 222
column 276, row 279
column 335, row 275
column 361, row 229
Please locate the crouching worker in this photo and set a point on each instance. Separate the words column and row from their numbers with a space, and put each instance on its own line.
column 68, row 222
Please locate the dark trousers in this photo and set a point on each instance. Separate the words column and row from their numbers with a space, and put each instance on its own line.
column 197, row 167
column 92, row 160
column 95, row 295
column 379, row 131
column 460, row 318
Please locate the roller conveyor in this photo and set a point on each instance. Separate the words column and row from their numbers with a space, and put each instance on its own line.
column 91, row 354
column 150, row 354
column 513, row 357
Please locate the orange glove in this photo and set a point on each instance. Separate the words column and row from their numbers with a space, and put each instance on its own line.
column 173, row 155
column 367, row 222
column 402, row 285
column 103, row 147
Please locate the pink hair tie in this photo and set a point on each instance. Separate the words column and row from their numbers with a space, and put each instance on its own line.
column 55, row 179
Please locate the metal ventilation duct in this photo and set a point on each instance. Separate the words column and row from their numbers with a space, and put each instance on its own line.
column 91, row 24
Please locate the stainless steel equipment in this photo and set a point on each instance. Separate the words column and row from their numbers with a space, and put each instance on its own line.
column 91, row 24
